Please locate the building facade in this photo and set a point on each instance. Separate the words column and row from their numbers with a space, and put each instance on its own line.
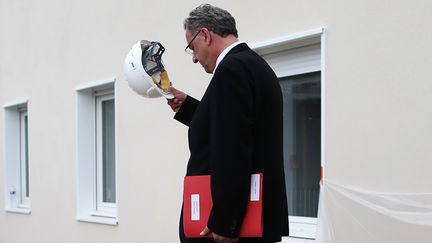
column 85, row 159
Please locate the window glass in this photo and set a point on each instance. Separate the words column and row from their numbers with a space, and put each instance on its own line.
column 27, row 187
column 24, row 166
column 302, row 142
column 108, row 143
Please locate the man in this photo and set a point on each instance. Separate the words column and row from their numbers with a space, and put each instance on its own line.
column 235, row 130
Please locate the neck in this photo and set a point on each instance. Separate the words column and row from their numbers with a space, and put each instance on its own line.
column 219, row 44
column 224, row 42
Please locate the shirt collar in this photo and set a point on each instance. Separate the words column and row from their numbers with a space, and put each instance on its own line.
column 224, row 52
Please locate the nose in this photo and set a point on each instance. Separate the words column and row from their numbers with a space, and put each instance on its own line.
column 194, row 59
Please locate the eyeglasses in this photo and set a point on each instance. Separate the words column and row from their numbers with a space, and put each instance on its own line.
column 188, row 50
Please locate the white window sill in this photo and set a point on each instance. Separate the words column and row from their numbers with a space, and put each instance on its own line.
column 297, row 240
column 98, row 219
column 302, row 227
column 18, row 210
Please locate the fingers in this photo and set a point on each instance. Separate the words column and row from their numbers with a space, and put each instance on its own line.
column 178, row 100
column 205, row 231
column 219, row 238
column 177, row 93
column 226, row 240
column 175, row 104
column 172, row 90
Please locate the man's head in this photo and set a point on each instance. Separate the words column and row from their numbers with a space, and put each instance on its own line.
column 213, row 18
column 209, row 30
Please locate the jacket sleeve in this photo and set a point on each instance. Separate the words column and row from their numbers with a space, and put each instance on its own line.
column 186, row 111
column 231, row 147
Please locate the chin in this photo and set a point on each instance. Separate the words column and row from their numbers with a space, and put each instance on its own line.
column 208, row 70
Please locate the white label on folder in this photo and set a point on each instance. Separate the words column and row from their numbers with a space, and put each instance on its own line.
column 195, row 204
column 255, row 187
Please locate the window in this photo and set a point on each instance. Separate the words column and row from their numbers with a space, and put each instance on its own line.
column 96, row 153
column 17, row 157
column 297, row 62
column 302, row 148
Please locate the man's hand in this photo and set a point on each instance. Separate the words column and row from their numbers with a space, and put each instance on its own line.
column 179, row 97
column 218, row 238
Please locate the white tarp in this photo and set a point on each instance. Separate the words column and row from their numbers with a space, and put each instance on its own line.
column 348, row 215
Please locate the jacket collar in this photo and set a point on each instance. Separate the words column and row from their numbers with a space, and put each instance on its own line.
column 239, row 48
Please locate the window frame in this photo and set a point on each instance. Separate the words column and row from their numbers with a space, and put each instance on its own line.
column 301, row 228
column 88, row 209
column 16, row 136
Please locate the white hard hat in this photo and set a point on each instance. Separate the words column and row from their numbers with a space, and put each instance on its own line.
column 138, row 73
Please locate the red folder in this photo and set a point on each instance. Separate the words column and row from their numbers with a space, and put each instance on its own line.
column 198, row 203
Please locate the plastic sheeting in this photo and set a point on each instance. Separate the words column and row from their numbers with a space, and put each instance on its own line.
column 348, row 215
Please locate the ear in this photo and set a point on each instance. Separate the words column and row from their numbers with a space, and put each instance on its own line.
column 207, row 35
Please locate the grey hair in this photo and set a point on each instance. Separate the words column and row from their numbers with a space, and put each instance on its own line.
column 213, row 18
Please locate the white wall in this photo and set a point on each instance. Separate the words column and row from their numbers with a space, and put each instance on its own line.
column 377, row 110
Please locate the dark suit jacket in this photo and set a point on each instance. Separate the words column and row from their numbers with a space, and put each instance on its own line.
column 236, row 130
